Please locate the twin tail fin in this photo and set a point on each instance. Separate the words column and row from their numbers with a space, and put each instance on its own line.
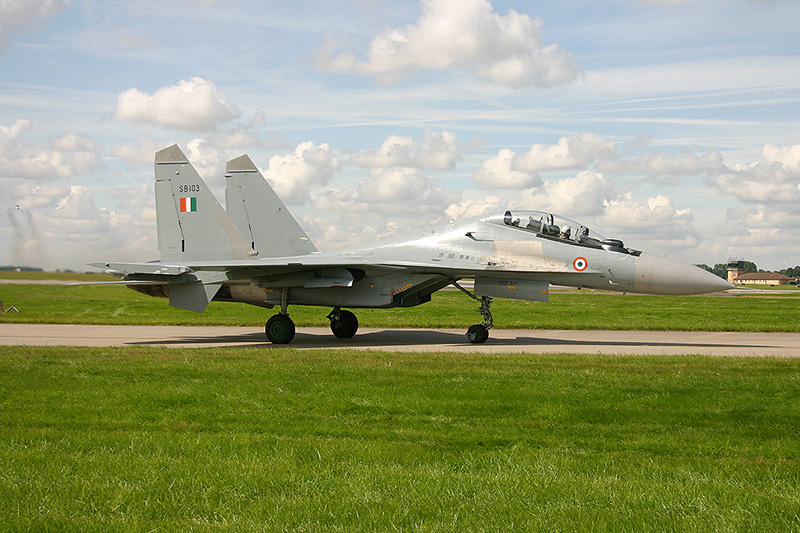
column 192, row 225
column 260, row 215
column 197, row 236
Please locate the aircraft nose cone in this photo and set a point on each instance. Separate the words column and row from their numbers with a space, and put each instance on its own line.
column 661, row 275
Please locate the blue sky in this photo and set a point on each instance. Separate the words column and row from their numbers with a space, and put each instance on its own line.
column 673, row 125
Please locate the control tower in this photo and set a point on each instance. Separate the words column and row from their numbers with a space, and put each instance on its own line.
column 735, row 269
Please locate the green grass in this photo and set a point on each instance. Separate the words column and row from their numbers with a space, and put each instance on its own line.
column 64, row 276
column 243, row 439
column 449, row 309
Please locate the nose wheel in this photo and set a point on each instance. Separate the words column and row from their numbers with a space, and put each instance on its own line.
column 478, row 333
column 344, row 324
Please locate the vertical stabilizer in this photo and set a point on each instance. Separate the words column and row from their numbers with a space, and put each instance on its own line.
column 192, row 225
column 260, row 215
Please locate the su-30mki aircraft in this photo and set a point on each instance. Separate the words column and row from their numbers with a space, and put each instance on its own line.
column 257, row 253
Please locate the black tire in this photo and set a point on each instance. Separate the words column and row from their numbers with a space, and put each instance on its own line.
column 280, row 329
column 346, row 326
column 477, row 334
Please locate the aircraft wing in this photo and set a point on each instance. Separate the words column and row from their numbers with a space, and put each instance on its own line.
column 317, row 265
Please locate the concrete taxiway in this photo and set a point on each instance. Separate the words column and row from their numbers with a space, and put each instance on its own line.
column 416, row 340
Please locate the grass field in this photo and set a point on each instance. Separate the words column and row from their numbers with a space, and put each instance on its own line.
column 449, row 309
column 64, row 276
column 150, row 439
column 145, row 439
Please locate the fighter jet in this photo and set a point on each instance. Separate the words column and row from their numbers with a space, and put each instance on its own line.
column 255, row 252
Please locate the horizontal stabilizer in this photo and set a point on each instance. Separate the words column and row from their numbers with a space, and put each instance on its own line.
column 192, row 296
column 196, row 293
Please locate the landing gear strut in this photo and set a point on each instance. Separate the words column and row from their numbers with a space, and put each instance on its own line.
column 344, row 324
column 478, row 333
column 280, row 328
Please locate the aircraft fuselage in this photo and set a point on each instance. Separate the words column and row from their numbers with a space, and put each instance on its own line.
column 254, row 251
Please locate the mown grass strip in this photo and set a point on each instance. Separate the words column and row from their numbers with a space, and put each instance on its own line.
column 143, row 438
column 62, row 276
column 448, row 309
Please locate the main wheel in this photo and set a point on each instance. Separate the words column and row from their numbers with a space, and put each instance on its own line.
column 345, row 326
column 280, row 329
column 477, row 333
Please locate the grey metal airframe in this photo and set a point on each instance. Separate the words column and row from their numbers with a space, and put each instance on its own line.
column 256, row 252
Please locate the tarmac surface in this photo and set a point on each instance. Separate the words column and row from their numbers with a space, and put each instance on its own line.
column 416, row 340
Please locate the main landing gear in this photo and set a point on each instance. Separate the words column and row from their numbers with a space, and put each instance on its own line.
column 478, row 333
column 280, row 328
column 344, row 324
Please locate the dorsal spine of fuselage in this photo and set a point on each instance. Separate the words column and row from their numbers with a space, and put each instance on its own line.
column 192, row 225
column 260, row 214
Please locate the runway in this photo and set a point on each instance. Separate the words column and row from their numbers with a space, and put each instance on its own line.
column 415, row 340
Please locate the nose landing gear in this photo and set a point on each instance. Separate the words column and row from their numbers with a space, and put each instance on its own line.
column 478, row 333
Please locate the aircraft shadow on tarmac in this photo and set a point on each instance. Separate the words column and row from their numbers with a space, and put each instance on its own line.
column 427, row 338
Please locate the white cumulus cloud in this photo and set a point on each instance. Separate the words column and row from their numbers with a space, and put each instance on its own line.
column 294, row 175
column 194, row 104
column 473, row 208
column 500, row 172
column 141, row 151
column 511, row 170
column 76, row 220
column 774, row 179
column 16, row 15
column 501, row 49
column 63, row 157
column 788, row 156
column 651, row 224
column 131, row 197
column 438, row 150
column 662, row 164
column 43, row 195
column 583, row 194
column 576, row 151
column 399, row 191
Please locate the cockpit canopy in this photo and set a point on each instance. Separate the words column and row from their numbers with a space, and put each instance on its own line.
column 556, row 227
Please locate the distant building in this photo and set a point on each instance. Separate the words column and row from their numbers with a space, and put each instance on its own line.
column 762, row 278
column 735, row 269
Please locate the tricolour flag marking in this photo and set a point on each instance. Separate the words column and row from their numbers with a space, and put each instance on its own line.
column 189, row 205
